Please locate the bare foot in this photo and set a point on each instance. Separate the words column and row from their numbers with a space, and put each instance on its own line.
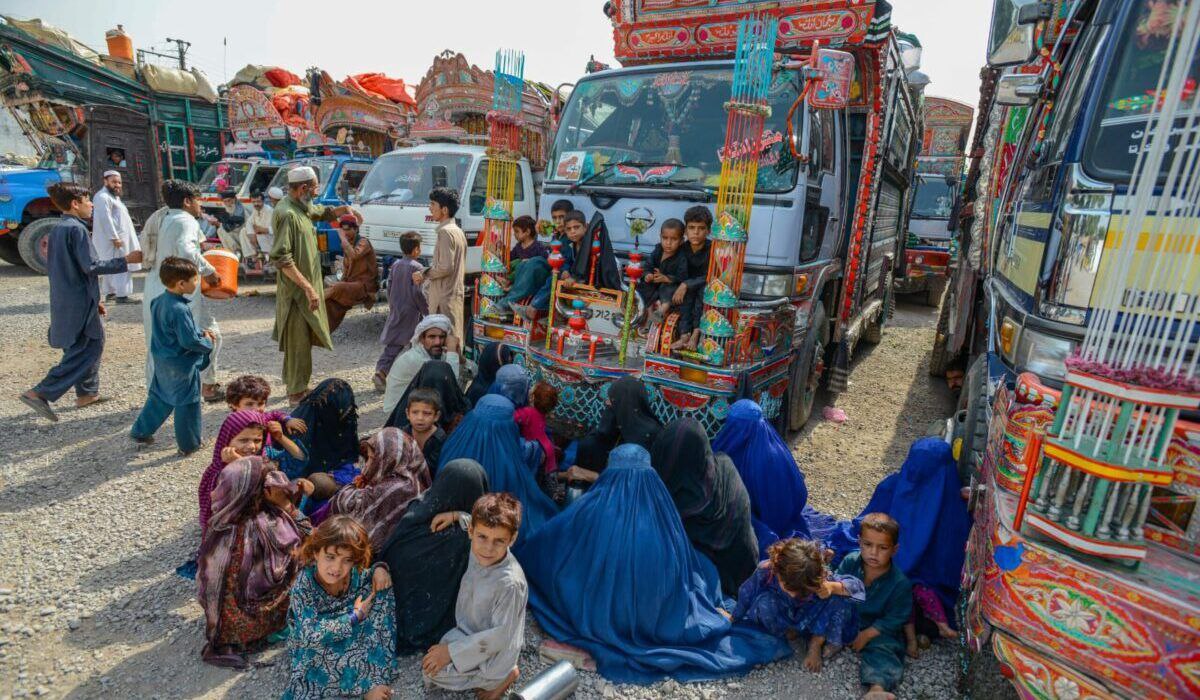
column 877, row 692
column 946, row 631
column 499, row 691
column 379, row 379
column 812, row 659
column 82, row 401
column 379, row 692
column 910, row 648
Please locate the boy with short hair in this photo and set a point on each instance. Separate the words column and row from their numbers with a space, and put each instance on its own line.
column 575, row 229
column 250, row 393
column 665, row 269
column 558, row 216
column 180, row 351
column 407, row 305
column 881, row 618
column 448, row 268
column 424, row 414
column 689, row 295
column 529, row 268
column 482, row 651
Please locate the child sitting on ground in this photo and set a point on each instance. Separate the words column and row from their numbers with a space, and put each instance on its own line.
column 793, row 592
column 407, row 305
column 482, row 651
column 251, row 393
column 424, row 412
column 666, row 269
column 341, row 618
column 689, row 296
column 180, row 350
column 888, row 605
column 531, row 419
column 243, row 435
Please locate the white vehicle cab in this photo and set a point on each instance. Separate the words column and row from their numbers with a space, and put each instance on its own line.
column 394, row 197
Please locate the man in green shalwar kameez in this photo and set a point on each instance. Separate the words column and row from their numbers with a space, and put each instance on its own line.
column 300, row 321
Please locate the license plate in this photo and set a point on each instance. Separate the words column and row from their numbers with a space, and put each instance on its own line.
column 396, row 233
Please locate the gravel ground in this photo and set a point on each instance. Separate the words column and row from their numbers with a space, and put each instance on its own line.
column 92, row 529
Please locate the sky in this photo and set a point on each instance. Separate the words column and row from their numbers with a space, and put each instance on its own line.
column 401, row 38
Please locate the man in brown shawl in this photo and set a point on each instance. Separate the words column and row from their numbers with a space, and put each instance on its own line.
column 360, row 274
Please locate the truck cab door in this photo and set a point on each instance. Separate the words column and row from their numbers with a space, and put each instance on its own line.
column 121, row 139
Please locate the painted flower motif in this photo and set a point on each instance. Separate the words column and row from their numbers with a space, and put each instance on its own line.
column 1066, row 689
column 1075, row 616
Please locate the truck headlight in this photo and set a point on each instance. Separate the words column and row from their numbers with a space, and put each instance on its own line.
column 767, row 285
column 5, row 198
column 1044, row 355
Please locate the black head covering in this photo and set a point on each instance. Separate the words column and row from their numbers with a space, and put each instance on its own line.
column 712, row 501
column 628, row 416
column 608, row 276
column 332, row 418
column 439, row 376
column 491, row 359
column 427, row 567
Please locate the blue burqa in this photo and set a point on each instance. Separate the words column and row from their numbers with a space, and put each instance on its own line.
column 924, row 498
column 615, row 574
column 776, row 485
column 512, row 382
column 489, row 436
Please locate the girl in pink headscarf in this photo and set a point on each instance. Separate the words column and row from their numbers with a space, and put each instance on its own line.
column 247, row 559
column 393, row 474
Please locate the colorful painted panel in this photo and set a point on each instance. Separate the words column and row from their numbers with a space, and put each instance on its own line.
column 1036, row 677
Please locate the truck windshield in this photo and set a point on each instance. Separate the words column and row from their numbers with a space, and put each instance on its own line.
column 671, row 123
column 934, row 199
column 404, row 178
column 224, row 175
column 323, row 166
column 1132, row 89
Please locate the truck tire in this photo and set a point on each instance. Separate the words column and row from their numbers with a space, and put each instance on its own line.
column 935, row 291
column 9, row 252
column 808, row 369
column 874, row 332
column 973, row 401
column 34, row 240
column 939, row 357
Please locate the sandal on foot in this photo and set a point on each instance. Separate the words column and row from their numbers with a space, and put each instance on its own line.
column 40, row 406
column 216, row 396
column 94, row 399
column 380, row 381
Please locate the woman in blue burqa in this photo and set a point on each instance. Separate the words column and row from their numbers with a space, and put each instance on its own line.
column 615, row 575
column 778, row 495
column 925, row 497
column 489, row 436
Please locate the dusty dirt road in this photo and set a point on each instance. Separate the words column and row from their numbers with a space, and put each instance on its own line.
column 91, row 530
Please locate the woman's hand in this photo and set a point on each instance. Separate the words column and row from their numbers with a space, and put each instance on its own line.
column 578, row 473
column 296, row 426
column 441, row 521
column 381, row 580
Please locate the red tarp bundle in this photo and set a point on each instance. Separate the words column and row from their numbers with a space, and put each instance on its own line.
column 281, row 77
column 293, row 106
column 388, row 88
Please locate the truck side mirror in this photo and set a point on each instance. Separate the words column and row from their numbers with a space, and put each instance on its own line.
column 1010, row 41
column 1018, row 89
column 831, row 74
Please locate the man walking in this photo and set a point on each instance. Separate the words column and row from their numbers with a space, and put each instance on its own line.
column 76, row 308
column 114, row 237
column 445, row 275
column 300, row 320
column 179, row 237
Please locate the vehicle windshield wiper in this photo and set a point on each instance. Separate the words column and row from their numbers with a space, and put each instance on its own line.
column 608, row 168
column 378, row 197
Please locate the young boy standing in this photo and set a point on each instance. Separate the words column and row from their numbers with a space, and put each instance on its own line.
column 75, row 306
column 666, row 269
column 689, row 295
column 180, row 351
column 446, row 273
column 881, row 618
column 482, row 652
column 407, row 305
column 424, row 411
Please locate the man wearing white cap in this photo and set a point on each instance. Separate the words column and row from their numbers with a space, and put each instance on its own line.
column 432, row 339
column 300, row 320
column 113, row 236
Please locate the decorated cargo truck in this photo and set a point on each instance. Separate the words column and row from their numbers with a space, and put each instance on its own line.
column 801, row 142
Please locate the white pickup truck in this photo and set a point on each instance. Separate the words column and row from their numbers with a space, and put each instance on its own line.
column 394, row 197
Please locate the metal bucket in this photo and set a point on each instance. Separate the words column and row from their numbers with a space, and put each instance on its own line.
column 555, row 683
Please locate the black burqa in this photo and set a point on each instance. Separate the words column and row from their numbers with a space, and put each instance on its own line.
column 427, row 567
column 332, row 418
column 491, row 359
column 711, row 499
column 628, row 417
column 439, row 376
column 608, row 275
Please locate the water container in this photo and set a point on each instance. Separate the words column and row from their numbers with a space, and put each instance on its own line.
column 120, row 44
column 227, row 267
column 555, row 683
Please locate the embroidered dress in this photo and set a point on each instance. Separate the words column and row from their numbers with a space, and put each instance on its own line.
column 329, row 656
column 762, row 602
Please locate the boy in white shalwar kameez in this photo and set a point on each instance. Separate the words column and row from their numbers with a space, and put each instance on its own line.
column 482, row 651
column 113, row 236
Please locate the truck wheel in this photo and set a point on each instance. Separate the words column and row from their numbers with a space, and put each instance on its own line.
column 935, row 291
column 874, row 332
column 34, row 241
column 9, row 252
column 974, row 432
column 939, row 358
column 808, row 369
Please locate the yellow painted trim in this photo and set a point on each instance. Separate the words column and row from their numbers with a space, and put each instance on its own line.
column 1103, row 470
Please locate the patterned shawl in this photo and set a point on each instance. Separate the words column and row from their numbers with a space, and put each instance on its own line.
column 234, row 423
column 392, row 477
column 269, row 537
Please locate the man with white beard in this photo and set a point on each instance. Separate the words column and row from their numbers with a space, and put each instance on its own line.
column 114, row 237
